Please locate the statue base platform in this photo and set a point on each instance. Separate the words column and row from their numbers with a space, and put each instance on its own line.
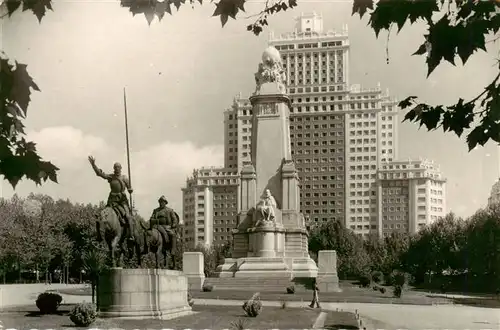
column 264, row 267
column 143, row 294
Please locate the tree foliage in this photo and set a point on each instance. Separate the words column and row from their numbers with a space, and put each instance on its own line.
column 18, row 157
column 455, row 28
column 48, row 240
column 352, row 258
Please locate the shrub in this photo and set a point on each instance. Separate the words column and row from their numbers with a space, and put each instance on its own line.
column 207, row 288
column 375, row 288
column 397, row 291
column 190, row 299
column 48, row 302
column 378, row 277
column 290, row 289
column 253, row 306
column 83, row 315
column 239, row 325
column 382, row 290
column 365, row 281
column 399, row 278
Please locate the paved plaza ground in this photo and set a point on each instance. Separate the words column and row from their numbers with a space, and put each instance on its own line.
column 203, row 317
column 385, row 315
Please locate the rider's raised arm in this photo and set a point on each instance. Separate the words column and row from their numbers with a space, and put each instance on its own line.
column 100, row 173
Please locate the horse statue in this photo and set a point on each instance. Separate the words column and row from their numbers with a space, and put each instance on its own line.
column 144, row 240
column 160, row 247
column 112, row 232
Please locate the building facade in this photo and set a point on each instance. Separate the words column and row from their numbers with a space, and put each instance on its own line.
column 210, row 206
column 411, row 195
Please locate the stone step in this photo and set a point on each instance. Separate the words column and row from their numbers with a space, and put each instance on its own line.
column 253, row 284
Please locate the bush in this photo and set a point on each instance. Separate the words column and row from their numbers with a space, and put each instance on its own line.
column 48, row 302
column 190, row 299
column 397, row 291
column 207, row 288
column 378, row 277
column 290, row 289
column 83, row 315
column 382, row 290
column 253, row 306
column 375, row 288
column 365, row 281
column 399, row 278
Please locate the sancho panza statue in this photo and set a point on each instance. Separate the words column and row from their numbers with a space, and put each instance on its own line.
column 117, row 198
column 166, row 221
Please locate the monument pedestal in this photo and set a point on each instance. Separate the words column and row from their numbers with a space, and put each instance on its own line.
column 143, row 294
column 193, row 267
column 328, row 280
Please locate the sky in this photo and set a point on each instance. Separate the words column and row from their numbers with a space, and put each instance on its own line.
column 183, row 72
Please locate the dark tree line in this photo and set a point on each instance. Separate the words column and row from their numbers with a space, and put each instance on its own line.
column 452, row 253
column 56, row 241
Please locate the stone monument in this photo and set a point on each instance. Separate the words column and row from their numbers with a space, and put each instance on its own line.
column 134, row 293
column 271, row 239
column 328, row 280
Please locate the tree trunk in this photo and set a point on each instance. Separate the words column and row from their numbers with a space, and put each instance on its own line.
column 97, row 289
column 93, row 285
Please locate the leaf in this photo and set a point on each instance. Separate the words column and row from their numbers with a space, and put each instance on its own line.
column 431, row 117
column 12, row 6
column 38, row 7
column 178, row 3
column 292, row 3
column 443, row 39
column 228, row 8
column 477, row 136
column 458, row 117
column 361, row 6
column 422, row 49
column 465, row 9
column 162, row 7
column 406, row 102
column 21, row 84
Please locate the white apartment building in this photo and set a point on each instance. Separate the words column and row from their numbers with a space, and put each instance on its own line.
column 210, row 206
column 411, row 194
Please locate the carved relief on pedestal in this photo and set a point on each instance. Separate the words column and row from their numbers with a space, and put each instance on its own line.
column 266, row 109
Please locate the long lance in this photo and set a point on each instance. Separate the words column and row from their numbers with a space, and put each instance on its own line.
column 128, row 148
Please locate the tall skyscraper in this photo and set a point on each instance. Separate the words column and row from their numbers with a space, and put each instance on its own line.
column 340, row 133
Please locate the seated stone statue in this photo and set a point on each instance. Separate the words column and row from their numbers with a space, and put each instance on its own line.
column 266, row 209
